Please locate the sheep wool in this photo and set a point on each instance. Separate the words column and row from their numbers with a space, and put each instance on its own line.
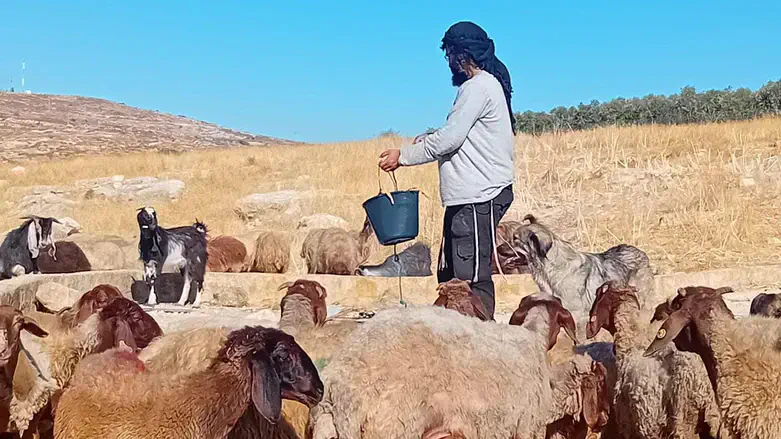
column 412, row 370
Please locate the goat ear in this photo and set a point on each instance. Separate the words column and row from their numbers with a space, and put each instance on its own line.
column 31, row 326
column 541, row 245
column 668, row 331
column 266, row 388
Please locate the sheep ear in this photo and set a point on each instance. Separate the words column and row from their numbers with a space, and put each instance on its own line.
column 565, row 321
column 266, row 389
column 595, row 396
column 31, row 326
column 724, row 290
column 479, row 308
column 321, row 291
column 667, row 332
column 123, row 334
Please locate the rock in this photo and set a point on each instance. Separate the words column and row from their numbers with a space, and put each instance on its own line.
column 57, row 296
column 105, row 252
column 46, row 204
column 233, row 296
column 322, row 221
column 68, row 227
column 145, row 189
column 18, row 171
column 252, row 207
column 747, row 182
column 285, row 207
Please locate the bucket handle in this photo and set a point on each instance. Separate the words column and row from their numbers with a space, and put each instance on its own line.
column 392, row 176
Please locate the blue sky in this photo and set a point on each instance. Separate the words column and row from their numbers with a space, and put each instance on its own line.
column 331, row 71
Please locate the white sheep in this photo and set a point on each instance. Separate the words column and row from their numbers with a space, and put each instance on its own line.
column 667, row 395
column 432, row 372
column 742, row 358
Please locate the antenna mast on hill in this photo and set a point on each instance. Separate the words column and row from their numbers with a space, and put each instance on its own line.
column 23, row 69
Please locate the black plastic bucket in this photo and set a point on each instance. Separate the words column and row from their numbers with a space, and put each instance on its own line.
column 393, row 222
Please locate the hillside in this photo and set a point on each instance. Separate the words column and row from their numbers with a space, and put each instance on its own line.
column 53, row 126
column 694, row 197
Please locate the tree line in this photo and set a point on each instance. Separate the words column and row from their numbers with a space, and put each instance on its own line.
column 688, row 106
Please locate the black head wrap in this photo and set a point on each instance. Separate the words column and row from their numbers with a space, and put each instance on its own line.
column 471, row 39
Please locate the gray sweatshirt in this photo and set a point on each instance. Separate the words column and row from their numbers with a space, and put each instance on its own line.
column 475, row 148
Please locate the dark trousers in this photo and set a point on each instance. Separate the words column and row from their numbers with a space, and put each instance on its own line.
column 467, row 244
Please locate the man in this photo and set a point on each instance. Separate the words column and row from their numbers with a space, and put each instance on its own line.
column 475, row 154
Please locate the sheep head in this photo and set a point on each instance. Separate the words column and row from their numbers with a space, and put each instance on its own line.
column 93, row 301
column 558, row 317
column 457, row 295
column 691, row 304
column 610, row 295
column 767, row 305
column 123, row 320
column 12, row 323
column 279, row 368
column 313, row 291
column 147, row 219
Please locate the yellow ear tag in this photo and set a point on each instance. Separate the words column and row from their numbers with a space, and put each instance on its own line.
column 662, row 332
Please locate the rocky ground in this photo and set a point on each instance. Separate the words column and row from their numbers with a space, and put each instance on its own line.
column 52, row 126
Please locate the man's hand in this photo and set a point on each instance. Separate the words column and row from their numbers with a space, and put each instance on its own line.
column 389, row 160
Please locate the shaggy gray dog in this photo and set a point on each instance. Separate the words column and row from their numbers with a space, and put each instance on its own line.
column 572, row 275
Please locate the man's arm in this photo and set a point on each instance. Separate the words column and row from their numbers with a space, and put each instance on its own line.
column 469, row 105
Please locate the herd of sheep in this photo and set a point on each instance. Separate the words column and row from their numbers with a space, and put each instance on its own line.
column 597, row 352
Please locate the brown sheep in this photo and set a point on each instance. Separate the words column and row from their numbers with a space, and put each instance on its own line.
column 303, row 314
column 257, row 365
column 120, row 320
column 226, row 254
column 272, row 253
column 24, row 393
column 337, row 251
column 69, row 259
column 457, row 295
column 305, row 301
column 69, row 317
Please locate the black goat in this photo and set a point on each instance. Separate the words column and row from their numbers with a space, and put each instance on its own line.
column 20, row 249
column 182, row 247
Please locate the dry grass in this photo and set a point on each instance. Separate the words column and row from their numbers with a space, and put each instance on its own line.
column 675, row 192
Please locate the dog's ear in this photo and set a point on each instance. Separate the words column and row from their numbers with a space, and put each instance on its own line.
column 541, row 243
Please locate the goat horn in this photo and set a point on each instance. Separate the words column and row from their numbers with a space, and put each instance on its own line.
column 285, row 285
column 682, row 292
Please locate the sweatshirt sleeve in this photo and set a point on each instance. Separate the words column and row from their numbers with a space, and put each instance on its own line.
column 470, row 103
